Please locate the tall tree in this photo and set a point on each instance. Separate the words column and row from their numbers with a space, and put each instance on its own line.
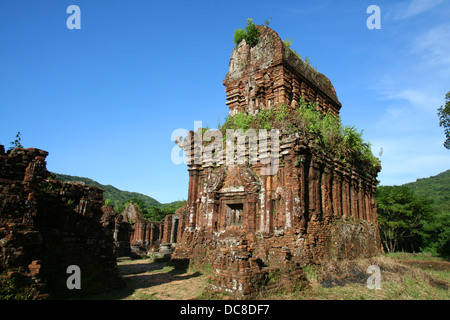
column 444, row 119
column 403, row 218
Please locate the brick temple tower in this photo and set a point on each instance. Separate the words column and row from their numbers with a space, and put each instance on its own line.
column 314, row 206
column 269, row 74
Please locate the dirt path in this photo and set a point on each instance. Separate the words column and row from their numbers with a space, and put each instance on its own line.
column 148, row 280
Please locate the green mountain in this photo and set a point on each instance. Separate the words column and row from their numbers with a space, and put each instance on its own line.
column 116, row 197
column 436, row 188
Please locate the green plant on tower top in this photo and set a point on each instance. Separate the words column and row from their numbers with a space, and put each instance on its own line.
column 250, row 34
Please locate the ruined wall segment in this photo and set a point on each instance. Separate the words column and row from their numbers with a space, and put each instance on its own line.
column 135, row 235
column 47, row 225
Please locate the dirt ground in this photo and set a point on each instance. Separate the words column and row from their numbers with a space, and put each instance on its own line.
column 157, row 280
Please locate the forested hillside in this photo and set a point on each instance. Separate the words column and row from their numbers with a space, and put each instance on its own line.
column 119, row 198
column 436, row 188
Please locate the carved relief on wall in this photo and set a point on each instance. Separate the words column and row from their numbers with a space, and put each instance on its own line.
column 240, row 179
column 216, row 180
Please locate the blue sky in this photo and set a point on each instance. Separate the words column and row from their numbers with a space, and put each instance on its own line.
column 105, row 99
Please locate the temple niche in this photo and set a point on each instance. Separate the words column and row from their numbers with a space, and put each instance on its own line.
column 248, row 220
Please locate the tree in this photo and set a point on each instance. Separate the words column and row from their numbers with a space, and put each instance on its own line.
column 444, row 119
column 159, row 213
column 438, row 235
column 252, row 34
column 155, row 214
column 403, row 218
column 151, row 213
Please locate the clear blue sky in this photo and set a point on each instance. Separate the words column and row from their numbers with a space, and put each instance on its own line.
column 104, row 100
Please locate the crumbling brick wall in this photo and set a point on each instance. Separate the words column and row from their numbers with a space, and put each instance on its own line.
column 47, row 225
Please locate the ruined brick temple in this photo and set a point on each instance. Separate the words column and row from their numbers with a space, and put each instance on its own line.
column 247, row 224
column 136, row 236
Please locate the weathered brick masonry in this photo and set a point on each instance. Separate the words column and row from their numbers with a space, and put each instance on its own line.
column 250, row 226
column 135, row 235
column 47, row 225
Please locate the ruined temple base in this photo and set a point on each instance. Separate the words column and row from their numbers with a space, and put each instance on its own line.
column 247, row 265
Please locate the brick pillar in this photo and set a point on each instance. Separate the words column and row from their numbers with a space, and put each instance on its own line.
column 367, row 203
column 152, row 226
column 373, row 203
column 167, row 229
column 346, row 195
column 263, row 207
column 314, row 178
column 251, row 216
column 326, row 186
column 295, row 192
column 354, row 196
column 268, row 198
column 360, row 199
column 192, row 196
column 337, row 193
column 303, row 180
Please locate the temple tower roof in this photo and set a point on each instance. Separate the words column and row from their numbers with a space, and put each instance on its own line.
column 269, row 74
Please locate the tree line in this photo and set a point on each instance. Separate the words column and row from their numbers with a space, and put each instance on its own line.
column 409, row 222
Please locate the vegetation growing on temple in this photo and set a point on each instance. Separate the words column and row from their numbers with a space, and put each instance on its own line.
column 250, row 34
column 344, row 142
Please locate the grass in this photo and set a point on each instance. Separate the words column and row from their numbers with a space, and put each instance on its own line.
column 414, row 256
column 401, row 279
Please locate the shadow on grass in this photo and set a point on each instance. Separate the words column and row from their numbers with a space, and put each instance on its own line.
column 140, row 275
